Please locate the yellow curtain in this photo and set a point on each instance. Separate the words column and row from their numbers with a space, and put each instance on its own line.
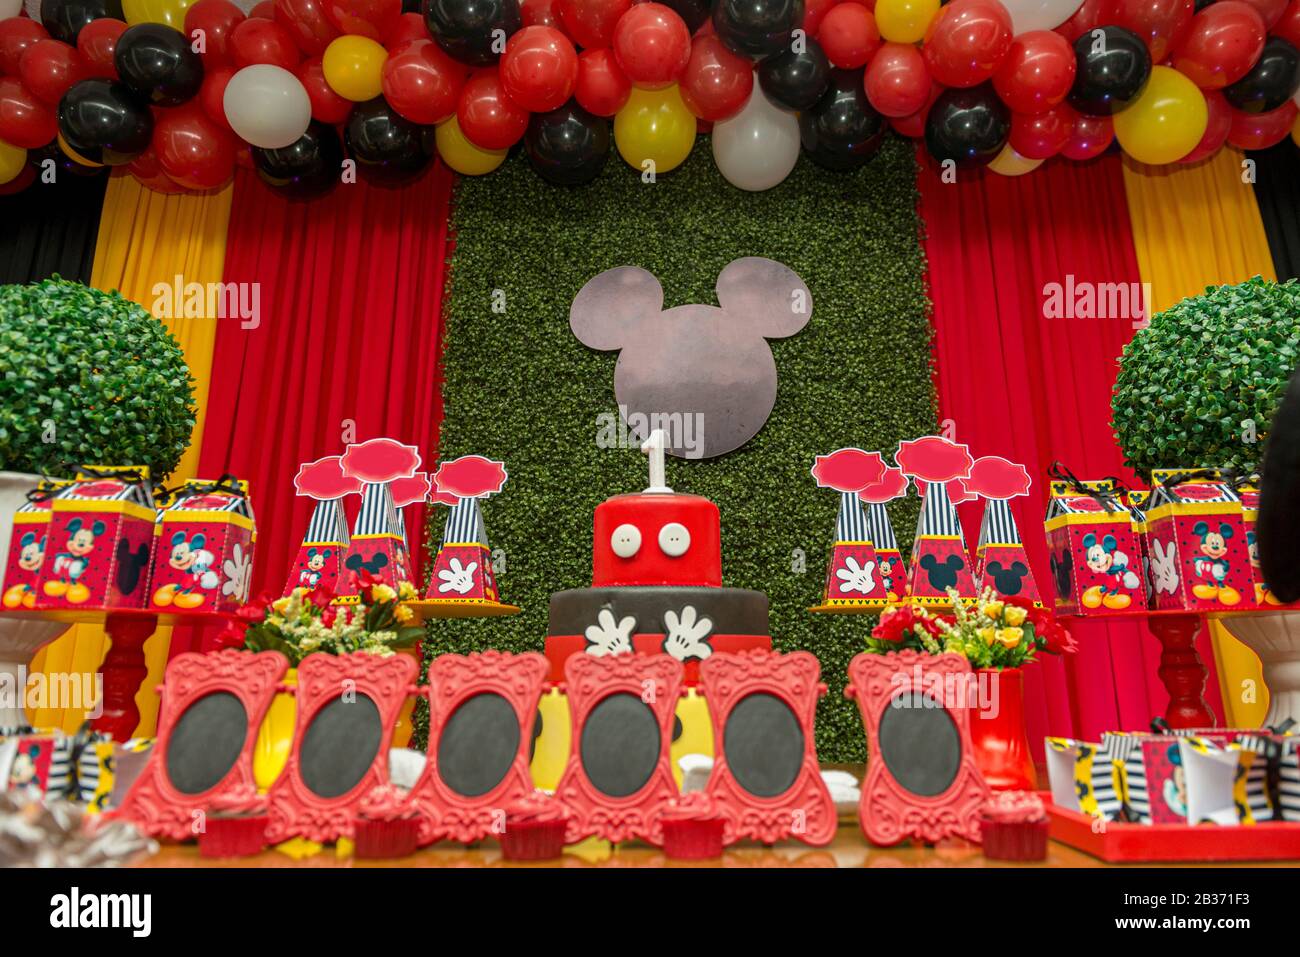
column 1197, row 226
column 147, row 238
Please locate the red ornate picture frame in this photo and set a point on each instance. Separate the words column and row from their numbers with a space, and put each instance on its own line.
column 453, row 680
column 295, row 810
column 153, row 804
column 804, row 811
column 888, row 812
column 590, row 680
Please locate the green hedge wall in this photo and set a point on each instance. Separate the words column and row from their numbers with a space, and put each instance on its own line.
column 520, row 387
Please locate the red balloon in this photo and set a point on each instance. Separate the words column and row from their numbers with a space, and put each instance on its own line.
column 1093, row 14
column 1216, row 128
column 1225, row 40
column 258, row 40
column 814, row 12
column 423, row 84
column 539, row 69
column 1270, row 10
column 1288, row 25
column 1036, row 73
column 1090, row 136
column 410, row 27
column 49, row 67
column 602, row 87
column 652, row 45
column 369, row 18
column 1042, row 135
column 326, row 105
column 591, row 22
column 486, row 115
column 1259, row 131
column 540, row 13
column 16, row 35
column 191, row 148
column 897, row 81
column 966, row 42
column 1163, row 25
column 212, row 94
column 717, row 82
column 24, row 120
column 265, row 10
column 848, row 35
column 913, row 125
column 97, row 43
column 216, row 18
column 307, row 24
column 149, row 173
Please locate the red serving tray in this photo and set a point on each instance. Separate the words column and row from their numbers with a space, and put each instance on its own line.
column 1131, row 843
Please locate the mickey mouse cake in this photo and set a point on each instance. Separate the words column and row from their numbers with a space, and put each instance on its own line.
column 656, row 584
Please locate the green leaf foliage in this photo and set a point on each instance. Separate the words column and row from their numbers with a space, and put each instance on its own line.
column 520, row 387
column 88, row 377
column 1199, row 386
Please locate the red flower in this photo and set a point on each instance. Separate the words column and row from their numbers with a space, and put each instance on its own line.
column 321, row 597
column 896, row 623
column 1050, row 634
column 232, row 636
column 254, row 610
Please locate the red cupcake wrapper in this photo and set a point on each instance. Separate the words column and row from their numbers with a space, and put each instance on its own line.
column 374, row 840
column 533, row 840
column 1014, row 841
column 233, row 836
column 693, row 840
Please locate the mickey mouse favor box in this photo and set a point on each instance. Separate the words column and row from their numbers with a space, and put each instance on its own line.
column 27, row 545
column 1096, row 565
column 324, row 545
column 940, row 560
column 203, row 559
column 853, row 574
column 462, row 570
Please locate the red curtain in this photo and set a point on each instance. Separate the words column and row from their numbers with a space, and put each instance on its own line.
column 1013, row 382
column 348, row 345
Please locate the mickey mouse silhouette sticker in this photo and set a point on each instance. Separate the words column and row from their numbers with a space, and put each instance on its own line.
column 703, row 375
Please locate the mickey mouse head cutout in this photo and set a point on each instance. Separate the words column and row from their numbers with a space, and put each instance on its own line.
column 703, row 374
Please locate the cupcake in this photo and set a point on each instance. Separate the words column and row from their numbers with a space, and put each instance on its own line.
column 386, row 826
column 235, row 825
column 1014, row 826
column 692, row 827
column 534, row 828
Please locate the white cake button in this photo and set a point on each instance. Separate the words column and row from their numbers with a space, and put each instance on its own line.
column 626, row 540
column 674, row 539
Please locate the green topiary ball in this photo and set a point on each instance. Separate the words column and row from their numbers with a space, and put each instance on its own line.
column 88, row 377
column 1200, row 384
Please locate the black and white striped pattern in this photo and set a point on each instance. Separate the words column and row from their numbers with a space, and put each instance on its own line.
column 328, row 525
column 1126, row 752
column 136, row 493
column 464, row 524
column 850, row 525
column 1283, row 753
column 236, row 504
column 879, row 529
column 378, row 515
column 1160, row 494
column 998, row 526
column 938, row 514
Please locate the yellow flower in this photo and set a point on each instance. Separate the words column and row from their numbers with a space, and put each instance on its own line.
column 383, row 592
column 993, row 609
column 406, row 591
column 402, row 614
column 280, row 604
column 986, row 635
column 1010, row 637
column 1015, row 615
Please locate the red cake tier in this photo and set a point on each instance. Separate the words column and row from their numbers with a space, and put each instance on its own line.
column 653, row 538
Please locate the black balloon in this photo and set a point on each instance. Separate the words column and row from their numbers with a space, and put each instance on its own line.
column 63, row 163
column 63, row 19
column 756, row 28
column 567, row 146
column 969, row 126
column 842, row 130
column 1111, row 70
column 105, row 121
column 305, row 169
column 694, row 12
column 795, row 79
column 1270, row 82
column 389, row 149
column 465, row 28
column 157, row 62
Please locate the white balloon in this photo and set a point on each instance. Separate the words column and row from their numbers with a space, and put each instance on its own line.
column 267, row 106
column 1039, row 14
column 757, row 148
column 33, row 8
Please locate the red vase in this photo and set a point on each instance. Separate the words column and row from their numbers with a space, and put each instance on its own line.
column 999, row 738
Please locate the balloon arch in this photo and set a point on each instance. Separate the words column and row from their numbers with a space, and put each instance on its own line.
column 180, row 92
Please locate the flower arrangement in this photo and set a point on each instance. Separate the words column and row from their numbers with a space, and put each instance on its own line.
column 306, row 621
column 994, row 633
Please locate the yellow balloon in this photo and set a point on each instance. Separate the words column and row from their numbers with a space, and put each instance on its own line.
column 1166, row 121
column 905, row 21
column 170, row 12
column 463, row 156
column 12, row 159
column 1011, row 163
column 654, row 127
column 354, row 67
